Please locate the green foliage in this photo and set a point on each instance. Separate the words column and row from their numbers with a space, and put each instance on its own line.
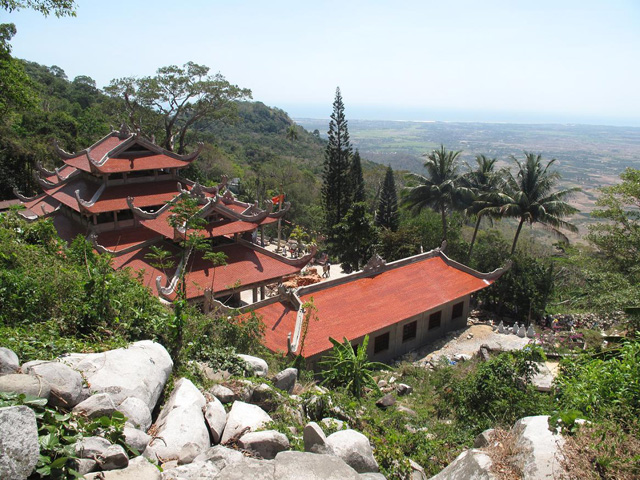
column 387, row 212
column 354, row 237
column 441, row 190
column 618, row 238
column 565, row 420
column 346, row 368
column 336, row 184
column 602, row 386
column 71, row 290
column 58, row 433
column 497, row 391
column 183, row 96
column 530, row 197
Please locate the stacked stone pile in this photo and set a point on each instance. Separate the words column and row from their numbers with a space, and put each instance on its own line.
column 218, row 434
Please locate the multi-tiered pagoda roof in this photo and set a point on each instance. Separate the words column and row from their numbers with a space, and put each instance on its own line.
column 120, row 193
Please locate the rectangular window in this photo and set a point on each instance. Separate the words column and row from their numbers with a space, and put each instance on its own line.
column 457, row 310
column 434, row 320
column 409, row 331
column 381, row 343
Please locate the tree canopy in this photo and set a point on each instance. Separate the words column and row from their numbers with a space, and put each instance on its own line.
column 182, row 96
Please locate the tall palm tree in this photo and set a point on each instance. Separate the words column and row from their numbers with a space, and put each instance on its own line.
column 486, row 184
column 441, row 189
column 530, row 197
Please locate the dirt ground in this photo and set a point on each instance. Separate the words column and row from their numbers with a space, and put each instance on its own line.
column 468, row 341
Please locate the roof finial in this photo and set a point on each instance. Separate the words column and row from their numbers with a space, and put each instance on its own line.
column 124, row 131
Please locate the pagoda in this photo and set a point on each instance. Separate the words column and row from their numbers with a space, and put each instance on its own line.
column 119, row 193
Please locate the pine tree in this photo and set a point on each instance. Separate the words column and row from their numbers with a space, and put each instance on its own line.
column 355, row 237
column 335, row 188
column 356, row 179
column 387, row 214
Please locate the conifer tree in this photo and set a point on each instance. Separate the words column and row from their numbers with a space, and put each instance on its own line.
column 357, row 179
column 336, row 178
column 387, row 214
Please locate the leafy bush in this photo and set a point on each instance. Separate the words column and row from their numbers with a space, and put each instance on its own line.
column 344, row 367
column 496, row 391
column 602, row 386
column 58, row 433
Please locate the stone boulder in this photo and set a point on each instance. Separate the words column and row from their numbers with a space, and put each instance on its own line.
column 141, row 370
column 385, row 402
column 216, row 418
column 139, row 469
column 539, row 449
column 286, row 379
column 96, row 406
column 469, row 465
column 9, row 361
column 137, row 412
column 220, row 456
column 66, row 383
column 224, row 394
column 136, row 439
column 373, row 476
column 404, row 389
column 267, row 443
column 310, row 466
column 244, row 417
column 483, row 439
column 27, row 384
column 257, row 365
column 314, row 439
column 91, row 448
column 181, row 421
column 249, row 468
column 19, row 448
column 354, row 448
column 113, row 458
column 192, row 471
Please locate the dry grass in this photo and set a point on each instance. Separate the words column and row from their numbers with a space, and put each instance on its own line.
column 603, row 452
column 503, row 451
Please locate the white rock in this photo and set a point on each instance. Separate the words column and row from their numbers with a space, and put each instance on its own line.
column 27, row 384
column 249, row 468
column 310, row 466
column 286, row 379
column 216, row 419
column 66, row 383
column 242, row 416
column 469, row 465
column 267, row 443
column 220, row 456
column 91, row 447
column 96, row 406
column 315, row 441
column 257, row 365
column 222, row 393
column 540, row 450
column 139, row 469
column 354, row 448
column 140, row 370
column 192, row 471
column 180, row 422
column 137, row 412
column 113, row 458
column 19, row 448
column 9, row 361
column 135, row 438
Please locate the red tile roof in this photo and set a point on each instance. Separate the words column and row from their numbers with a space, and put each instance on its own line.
column 145, row 195
column 117, row 240
column 365, row 305
column 161, row 225
column 122, row 162
column 245, row 267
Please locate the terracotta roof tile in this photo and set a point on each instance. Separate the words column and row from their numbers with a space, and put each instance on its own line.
column 117, row 240
column 365, row 305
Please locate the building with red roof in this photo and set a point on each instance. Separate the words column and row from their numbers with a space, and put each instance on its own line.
column 400, row 305
column 120, row 193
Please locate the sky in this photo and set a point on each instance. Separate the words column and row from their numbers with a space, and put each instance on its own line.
column 519, row 61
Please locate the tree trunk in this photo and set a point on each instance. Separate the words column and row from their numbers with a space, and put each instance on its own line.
column 444, row 223
column 473, row 238
column 515, row 239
